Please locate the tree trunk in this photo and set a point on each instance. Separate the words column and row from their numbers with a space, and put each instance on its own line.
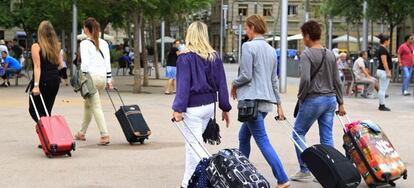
column 154, row 42
column 137, row 65
column 391, row 41
column 358, row 36
column 144, row 53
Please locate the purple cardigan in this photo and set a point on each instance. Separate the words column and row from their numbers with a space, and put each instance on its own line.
column 193, row 88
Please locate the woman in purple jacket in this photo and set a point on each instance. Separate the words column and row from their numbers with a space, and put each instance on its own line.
column 195, row 97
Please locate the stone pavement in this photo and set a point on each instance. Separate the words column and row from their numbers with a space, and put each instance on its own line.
column 160, row 162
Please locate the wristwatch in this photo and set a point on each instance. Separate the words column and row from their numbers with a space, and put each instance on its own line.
column 36, row 84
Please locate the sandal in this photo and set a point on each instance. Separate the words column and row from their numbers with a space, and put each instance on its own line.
column 285, row 185
column 104, row 140
column 80, row 136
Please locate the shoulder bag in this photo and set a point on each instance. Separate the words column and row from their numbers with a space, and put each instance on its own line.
column 297, row 106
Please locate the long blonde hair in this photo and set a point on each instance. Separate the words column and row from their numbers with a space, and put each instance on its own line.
column 48, row 42
column 197, row 41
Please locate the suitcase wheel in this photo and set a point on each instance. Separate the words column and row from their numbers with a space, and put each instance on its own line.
column 142, row 140
column 74, row 146
column 392, row 184
column 405, row 175
column 69, row 154
column 49, row 155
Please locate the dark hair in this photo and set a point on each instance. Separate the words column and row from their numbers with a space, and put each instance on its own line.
column 313, row 29
column 258, row 23
column 407, row 37
column 361, row 53
column 93, row 27
column 383, row 38
column 176, row 40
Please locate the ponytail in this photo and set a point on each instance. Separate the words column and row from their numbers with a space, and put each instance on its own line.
column 93, row 27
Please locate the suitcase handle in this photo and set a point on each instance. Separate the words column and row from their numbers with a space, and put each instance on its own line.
column 342, row 121
column 110, row 98
column 290, row 126
column 35, row 107
column 187, row 140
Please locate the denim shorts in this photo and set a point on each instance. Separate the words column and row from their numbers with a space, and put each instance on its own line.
column 171, row 72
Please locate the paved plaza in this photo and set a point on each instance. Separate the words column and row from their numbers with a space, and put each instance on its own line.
column 159, row 163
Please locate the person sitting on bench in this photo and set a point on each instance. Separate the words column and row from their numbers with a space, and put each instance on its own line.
column 11, row 66
column 362, row 75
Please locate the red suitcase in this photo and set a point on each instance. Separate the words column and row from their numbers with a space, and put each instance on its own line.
column 54, row 133
column 375, row 157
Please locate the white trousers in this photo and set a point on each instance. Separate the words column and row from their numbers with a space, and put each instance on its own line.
column 197, row 119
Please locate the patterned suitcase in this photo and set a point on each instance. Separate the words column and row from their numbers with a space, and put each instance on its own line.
column 375, row 157
column 227, row 169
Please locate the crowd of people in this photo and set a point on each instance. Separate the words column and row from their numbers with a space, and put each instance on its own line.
column 197, row 76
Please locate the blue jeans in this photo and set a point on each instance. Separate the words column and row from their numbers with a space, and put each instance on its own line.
column 407, row 72
column 257, row 129
column 312, row 109
column 384, row 82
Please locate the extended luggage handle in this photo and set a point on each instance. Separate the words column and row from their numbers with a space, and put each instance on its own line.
column 290, row 126
column 35, row 107
column 188, row 141
column 342, row 121
column 110, row 98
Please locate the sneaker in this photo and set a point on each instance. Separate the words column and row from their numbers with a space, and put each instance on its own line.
column 4, row 85
column 383, row 108
column 301, row 176
column 406, row 93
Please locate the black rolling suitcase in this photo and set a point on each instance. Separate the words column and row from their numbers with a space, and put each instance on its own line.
column 329, row 166
column 131, row 120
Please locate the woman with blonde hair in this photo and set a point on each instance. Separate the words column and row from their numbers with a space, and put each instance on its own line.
column 46, row 65
column 257, row 81
column 96, row 62
column 200, row 75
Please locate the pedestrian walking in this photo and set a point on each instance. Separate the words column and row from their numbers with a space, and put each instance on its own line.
column 258, row 81
column 406, row 59
column 320, row 89
column 64, row 70
column 200, row 79
column 46, row 63
column 171, row 68
column 362, row 75
column 384, row 70
column 95, row 57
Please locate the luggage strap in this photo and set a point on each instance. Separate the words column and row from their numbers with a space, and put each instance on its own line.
column 188, row 141
column 35, row 107
column 122, row 101
column 290, row 126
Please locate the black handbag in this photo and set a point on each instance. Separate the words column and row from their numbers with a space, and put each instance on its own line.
column 212, row 133
column 298, row 103
column 248, row 110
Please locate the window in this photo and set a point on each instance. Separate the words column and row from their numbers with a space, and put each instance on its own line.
column 2, row 35
column 243, row 9
column 292, row 10
column 267, row 10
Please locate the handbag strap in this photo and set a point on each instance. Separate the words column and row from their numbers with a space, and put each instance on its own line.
column 211, row 78
column 319, row 67
column 98, row 48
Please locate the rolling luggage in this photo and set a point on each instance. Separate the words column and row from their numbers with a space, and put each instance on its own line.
column 131, row 120
column 54, row 133
column 329, row 166
column 375, row 157
column 227, row 168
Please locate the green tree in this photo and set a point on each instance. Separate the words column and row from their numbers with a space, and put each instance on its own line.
column 392, row 12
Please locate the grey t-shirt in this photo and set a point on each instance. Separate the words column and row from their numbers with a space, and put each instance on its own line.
column 326, row 82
